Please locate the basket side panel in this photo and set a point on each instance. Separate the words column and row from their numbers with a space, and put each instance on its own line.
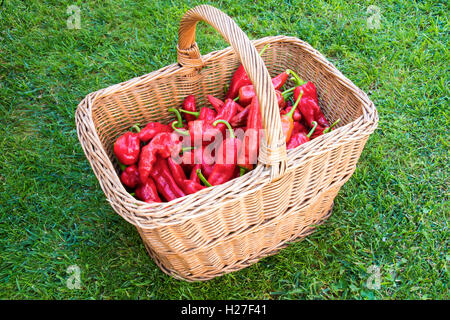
column 245, row 248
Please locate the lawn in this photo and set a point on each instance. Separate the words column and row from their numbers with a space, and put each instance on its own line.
column 390, row 220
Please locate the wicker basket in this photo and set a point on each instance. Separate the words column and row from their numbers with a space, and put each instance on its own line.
column 233, row 225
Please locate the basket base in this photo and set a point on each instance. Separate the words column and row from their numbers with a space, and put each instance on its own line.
column 243, row 263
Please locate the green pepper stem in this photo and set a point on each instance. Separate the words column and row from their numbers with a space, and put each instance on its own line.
column 194, row 113
column 202, row 178
column 182, row 132
column 184, row 149
column 288, row 90
column 236, row 99
column 232, row 135
column 291, row 112
column 135, row 127
column 122, row 166
column 242, row 171
column 287, row 93
column 331, row 127
column 178, row 115
column 295, row 77
column 264, row 49
column 313, row 129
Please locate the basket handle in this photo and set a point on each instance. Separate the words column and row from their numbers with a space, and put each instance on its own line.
column 273, row 147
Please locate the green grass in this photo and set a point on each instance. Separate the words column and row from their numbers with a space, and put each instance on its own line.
column 393, row 213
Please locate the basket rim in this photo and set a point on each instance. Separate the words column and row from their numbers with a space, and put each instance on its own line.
column 150, row 216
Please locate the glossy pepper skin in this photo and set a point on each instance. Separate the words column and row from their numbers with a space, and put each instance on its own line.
column 240, row 79
column 241, row 118
column 246, row 93
column 189, row 105
column 218, row 104
column 207, row 159
column 177, row 171
column 299, row 127
column 322, row 130
column 225, row 166
column 165, row 183
column 204, row 114
column 297, row 116
column 190, row 186
column 280, row 99
column 300, row 138
column 308, row 88
column 147, row 192
column 310, row 110
column 200, row 157
column 287, row 123
column 202, row 132
column 164, row 145
column 127, row 148
column 248, row 153
column 151, row 130
column 215, row 102
column 194, row 177
column 130, row 176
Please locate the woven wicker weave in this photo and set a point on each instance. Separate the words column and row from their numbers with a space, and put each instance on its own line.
column 230, row 226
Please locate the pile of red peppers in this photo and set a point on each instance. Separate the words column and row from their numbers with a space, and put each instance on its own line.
column 208, row 146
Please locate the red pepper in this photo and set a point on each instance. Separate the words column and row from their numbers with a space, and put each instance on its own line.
column 308, row 88
column 203, row 131
column 287, row 123
column 300, row 138
column 310, row 110
column 280, row 99
column 218, row 104
column 280, row 80
column 239, row 79
column 127, row 148
column 194, row 177
column 297, row 116
column 130, row 176
column 189, row 105
column 246, row 93
column 299, row 127
column 248, row 153
column 206, row 158
column 215, row 102
column 204, row 114
column 309, row 106
column 188, row 160
column 226, row 157
column 163, row 144
column 165, row 183
column 151, row 130
column 322, row 130
column 147, row 192
column 177, row 171
column 240, row 118
column 200, row 157
column 190, row 186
